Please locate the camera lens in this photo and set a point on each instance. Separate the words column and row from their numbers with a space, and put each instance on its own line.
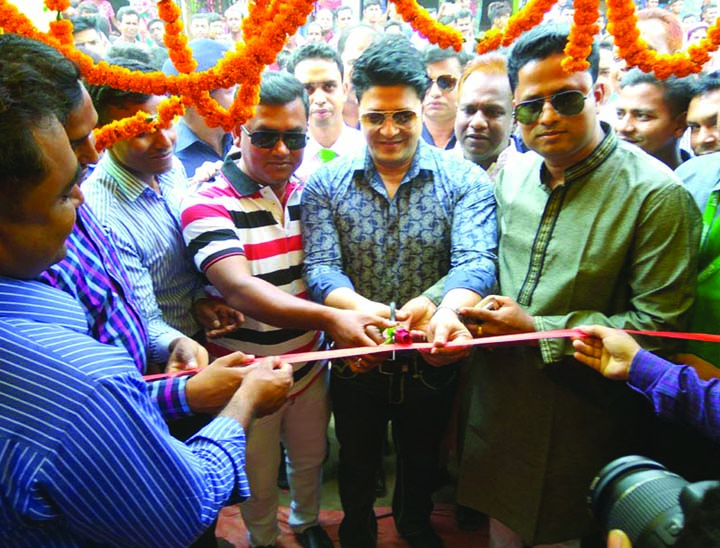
column 640, row 497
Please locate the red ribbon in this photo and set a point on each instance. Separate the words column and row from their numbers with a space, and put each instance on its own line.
column 484, row 341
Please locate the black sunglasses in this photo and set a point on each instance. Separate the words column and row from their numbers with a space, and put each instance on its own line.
column 269, row 139
column 400, row 118
column 566, row 103
column 446, row 82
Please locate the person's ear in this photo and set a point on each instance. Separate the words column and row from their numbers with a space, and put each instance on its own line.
column 236, row 135
column 599, row 91
column 680, row 124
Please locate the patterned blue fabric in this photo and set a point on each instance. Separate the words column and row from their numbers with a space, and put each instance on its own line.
column 87, row 459
column 440, row 222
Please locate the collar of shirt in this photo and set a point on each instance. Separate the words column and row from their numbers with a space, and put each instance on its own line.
column 602, row 152
column 186, row 138
column 422, row 163
column 427, row 137
column 241, row 181
column 130, row 187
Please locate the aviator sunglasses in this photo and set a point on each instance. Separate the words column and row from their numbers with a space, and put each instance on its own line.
column 400, row 118
column 269, row 139
column 566, row 103
column 446, row 82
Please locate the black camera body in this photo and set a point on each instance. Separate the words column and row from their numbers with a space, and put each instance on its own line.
column 643, row 499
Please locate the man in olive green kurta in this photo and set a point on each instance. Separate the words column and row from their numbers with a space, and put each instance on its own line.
column 592, row 230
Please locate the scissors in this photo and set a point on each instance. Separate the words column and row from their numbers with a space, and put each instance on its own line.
column 392, row 319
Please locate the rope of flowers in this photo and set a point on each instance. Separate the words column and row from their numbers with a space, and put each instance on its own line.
column 582, row 35
column 177, row 43
column 444, row 36
column 622, row 25
column 528, row 17
column 141, row 122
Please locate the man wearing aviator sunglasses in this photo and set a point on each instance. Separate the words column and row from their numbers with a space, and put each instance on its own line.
column 243, row 232
column 444, row 66
column 592, row 230
column 380, row 226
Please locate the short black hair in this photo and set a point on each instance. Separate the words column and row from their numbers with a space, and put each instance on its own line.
column 124, row 50
column 498, row 9
column 369, row 3
column 706, row 84
column 61, row 75
column 104, row 97
column 28, row 102
column 84, row 22
column 435, row 54
column 540, row 43
column 392, row 61
column 677, row 92
column 279, row 88
column 318, row 50
column 126, row 10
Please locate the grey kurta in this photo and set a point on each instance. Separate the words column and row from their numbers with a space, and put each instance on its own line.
column 616, row 245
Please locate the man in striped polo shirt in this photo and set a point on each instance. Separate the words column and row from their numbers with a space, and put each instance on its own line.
column 243, row 232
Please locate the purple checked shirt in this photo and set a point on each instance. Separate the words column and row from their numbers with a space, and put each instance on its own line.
column 93, row 275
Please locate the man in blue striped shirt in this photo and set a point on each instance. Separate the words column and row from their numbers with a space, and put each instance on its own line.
column 87, row 458
column 91, row 271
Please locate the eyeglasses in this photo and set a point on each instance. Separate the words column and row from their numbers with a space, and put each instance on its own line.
column 566, row 103
column 294, row 140
column 446, row 82
column 400, row 118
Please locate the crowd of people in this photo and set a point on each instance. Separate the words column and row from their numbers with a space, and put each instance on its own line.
column 381, row 181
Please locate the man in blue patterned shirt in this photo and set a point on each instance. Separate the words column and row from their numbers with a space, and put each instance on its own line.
column 87, row 458
column 380, row 226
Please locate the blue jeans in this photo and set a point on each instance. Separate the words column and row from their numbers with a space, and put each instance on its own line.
column 418, row 406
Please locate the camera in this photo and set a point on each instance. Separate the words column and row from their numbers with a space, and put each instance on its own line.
column 645, row 500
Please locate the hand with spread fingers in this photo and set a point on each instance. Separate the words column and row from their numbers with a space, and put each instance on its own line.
column 609, row 351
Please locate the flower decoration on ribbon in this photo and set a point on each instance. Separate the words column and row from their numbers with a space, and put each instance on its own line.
column 396, row 334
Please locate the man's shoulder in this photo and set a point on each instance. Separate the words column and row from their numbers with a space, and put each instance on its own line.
column 633, row 166
column 703, row 170
column 46, row 322
column 216, row 193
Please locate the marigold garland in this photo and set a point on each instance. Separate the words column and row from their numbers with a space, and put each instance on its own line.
column 622, row 24
column 528, row 17
column 270, row 22
column 444, row 36
column 582, row 35
column 57, row 5
column 177, row 43
column 141, row 122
